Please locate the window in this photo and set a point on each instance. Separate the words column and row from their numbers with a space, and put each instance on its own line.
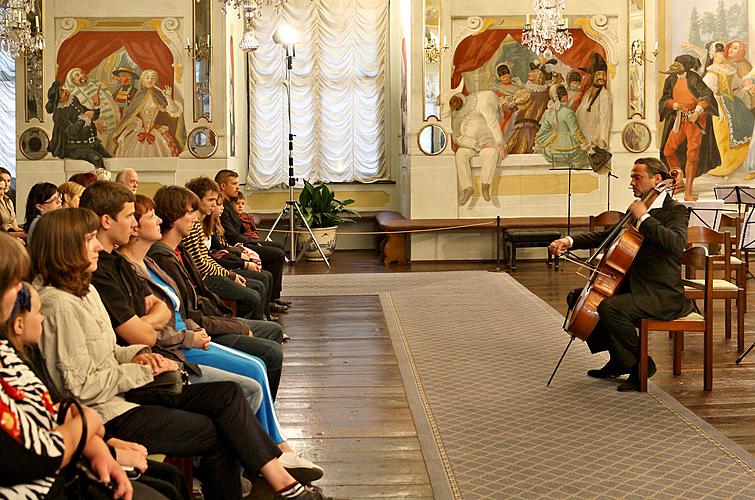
column 338, row 94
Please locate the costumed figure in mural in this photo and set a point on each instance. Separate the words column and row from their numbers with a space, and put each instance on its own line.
column 476, row 131
column 733, row 125
column 595, row 111
column 74, row 132
column 126, row 91
column 505, row 87
column 573, row 89
column 688, row 143
column 560, row 138
column 152, row 125
column 749, row 86
column 531, row 103
column 735, row 53
column 85, row 90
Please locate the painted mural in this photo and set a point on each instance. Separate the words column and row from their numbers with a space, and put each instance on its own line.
column 123, row 84
column 506, row 100
column 711, row 143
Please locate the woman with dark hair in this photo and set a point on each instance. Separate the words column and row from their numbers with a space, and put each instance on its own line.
column 43, row 197
column 83, row 178
column 734, row 124
column 211, row 421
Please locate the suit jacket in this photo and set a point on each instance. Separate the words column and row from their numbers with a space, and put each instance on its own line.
column 654, row 279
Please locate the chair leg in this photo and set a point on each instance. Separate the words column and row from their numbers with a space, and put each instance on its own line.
column 727, row 318
column 678, row 343
column 708, row 359
column 643, row 361
column 742, row 283
column 741, row 320
column 513, row 256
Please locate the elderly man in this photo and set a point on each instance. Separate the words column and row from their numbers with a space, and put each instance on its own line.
column 129, row 178
column 476, row 131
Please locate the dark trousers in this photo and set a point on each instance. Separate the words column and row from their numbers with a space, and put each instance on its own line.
column 212, row 421
column 615, row 332
column 266, row 279
column 249, row 301
column 268, row 351
column 273, row 257
column 165, row 479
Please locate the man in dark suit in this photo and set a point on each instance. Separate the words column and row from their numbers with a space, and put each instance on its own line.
column 652, row 287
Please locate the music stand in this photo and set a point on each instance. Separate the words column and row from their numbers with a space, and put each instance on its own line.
column 706, row 213
column 747, row 242
column 741, row 194
column 566, row 162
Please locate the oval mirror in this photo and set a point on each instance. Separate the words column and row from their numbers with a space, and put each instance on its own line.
column 203, row 142
column 636, row 137
column 33, row 143
column 432, row 139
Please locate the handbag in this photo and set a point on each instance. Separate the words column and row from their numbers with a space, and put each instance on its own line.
column 76, row 480
column 164, row 390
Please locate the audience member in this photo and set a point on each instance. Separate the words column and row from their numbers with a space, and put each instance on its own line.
column 83, row 178
column 227, row 284
column 271, row 252
column 8, row 178
column 7, row 210
column 43, row 197
column 129, row 178
column 37, row 448
column 176, row 207
column 70, row 193
column 211, row 421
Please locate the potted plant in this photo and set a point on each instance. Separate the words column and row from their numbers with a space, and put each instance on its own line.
column 323, row 212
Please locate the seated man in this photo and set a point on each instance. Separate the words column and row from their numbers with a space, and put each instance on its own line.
column 652, row 287
column 271, row 253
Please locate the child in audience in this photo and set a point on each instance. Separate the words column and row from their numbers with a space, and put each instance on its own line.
column 43, row 197
column 33, row 446
column 238, row 203
column 83, row 178
column 211, row 421
column 70, row 193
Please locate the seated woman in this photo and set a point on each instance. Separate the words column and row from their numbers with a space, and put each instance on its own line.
column 43, row 197
column 185, row 340
column 211, row 421
column 34, row 448
column 7, row 210
column 70, row 194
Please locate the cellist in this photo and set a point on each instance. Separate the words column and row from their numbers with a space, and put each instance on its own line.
column 652, row 287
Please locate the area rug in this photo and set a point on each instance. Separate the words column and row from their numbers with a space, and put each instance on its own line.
column 475, row 350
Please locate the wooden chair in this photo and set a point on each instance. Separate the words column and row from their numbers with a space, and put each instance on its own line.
column 604, row 220
column 693, row 260
column 723, row 289
column 738, row 264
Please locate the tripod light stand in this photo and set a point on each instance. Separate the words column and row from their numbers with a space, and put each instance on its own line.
column 286, row 36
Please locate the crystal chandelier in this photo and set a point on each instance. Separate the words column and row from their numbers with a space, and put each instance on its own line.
column 250, row 10
column 549, row 30
column 242, row 5
column 20, row 29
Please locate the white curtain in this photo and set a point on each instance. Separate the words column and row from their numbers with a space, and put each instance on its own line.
column 8, row 112
column 337, row 94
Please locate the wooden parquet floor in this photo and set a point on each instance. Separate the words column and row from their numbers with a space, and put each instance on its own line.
column 341, row 399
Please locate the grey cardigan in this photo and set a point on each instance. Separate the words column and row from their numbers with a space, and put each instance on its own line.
column 79, row 348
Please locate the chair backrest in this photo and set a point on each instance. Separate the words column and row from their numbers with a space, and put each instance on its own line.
column 707, row 236
column 604, row 219
column 694, row 260
column 735, row 223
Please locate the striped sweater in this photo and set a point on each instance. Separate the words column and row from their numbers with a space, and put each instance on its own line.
column 194, row 245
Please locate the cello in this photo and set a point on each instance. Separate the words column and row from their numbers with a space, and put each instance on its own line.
column 621, row 247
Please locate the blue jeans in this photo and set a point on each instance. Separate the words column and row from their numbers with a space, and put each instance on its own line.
column 252, row 367
column 249, row 301
column 250, row 387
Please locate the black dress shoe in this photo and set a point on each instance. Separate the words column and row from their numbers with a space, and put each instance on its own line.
column 608, row 371
column 277, row 308
column 632, row 383
column 282, row 302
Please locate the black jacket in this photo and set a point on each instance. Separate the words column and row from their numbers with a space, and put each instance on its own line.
column 202, row 306
column 233, row 227
column 654, row 278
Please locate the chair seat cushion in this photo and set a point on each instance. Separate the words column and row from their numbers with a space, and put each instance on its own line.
column 528, row 235
column 718, row 286
column 693, row 316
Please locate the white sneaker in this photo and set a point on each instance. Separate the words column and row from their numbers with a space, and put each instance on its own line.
column 301, row 469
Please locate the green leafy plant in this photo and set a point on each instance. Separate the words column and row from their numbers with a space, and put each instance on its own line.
column 320, row 207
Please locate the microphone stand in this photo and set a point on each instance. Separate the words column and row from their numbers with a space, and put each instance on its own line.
column 292, row 207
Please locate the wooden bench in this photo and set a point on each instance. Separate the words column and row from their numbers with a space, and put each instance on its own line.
column 527, row 238
column 394, row 247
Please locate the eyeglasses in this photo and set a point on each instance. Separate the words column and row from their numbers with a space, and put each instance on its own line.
column 57, row 199
column 23, row 302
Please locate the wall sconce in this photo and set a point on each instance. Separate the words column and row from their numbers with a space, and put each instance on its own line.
column 201, row 48
column 637, row 53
